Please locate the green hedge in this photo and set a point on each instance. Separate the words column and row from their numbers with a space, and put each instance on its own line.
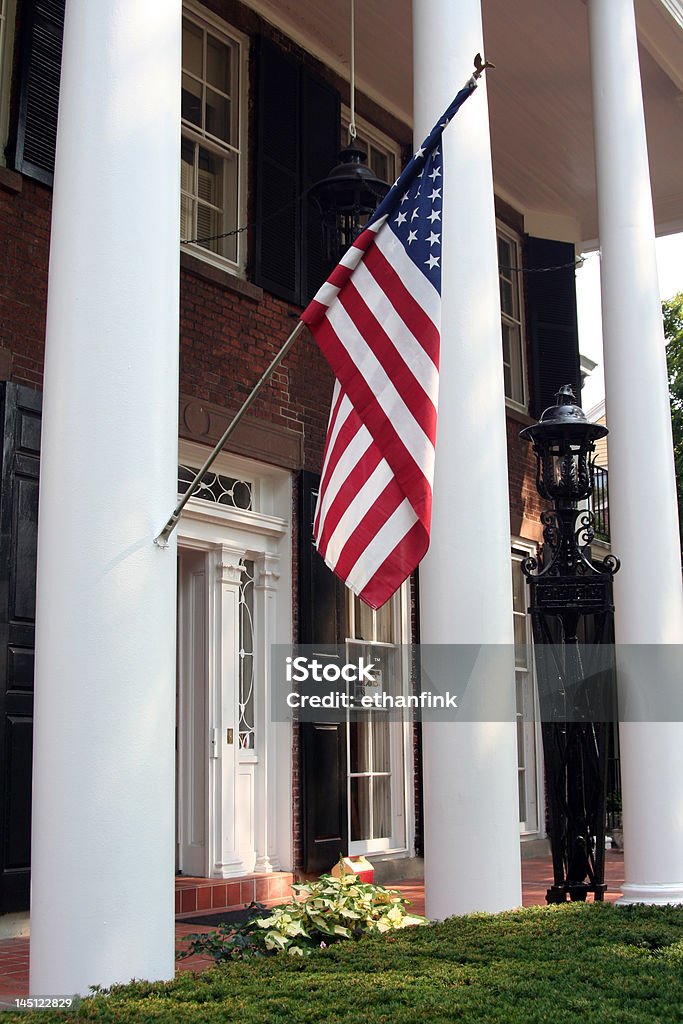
column 574, row 963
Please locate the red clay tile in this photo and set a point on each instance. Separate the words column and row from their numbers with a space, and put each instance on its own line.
column 218, row 895
column 233, row 896
column 204, row 897
column 188, row 900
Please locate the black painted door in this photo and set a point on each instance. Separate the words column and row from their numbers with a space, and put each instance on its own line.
column 324, row 801
column 20, row 417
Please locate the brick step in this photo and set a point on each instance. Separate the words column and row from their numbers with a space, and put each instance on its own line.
column 194, row 895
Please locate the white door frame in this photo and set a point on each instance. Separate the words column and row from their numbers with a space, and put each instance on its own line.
column 249, row 791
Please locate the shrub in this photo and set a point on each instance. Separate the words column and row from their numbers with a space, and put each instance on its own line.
column 326, row 911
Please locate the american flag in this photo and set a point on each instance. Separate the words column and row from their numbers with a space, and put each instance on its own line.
column 377, row 321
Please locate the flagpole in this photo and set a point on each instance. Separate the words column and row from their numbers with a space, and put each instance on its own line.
column 172, row 521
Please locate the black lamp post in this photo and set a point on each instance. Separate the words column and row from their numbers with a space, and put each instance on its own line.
column 346, row 198
column 572, row 614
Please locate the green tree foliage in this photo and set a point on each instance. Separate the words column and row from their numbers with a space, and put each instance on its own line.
column 672, row 310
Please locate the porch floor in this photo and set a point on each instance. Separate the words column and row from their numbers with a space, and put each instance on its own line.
column 193, row 895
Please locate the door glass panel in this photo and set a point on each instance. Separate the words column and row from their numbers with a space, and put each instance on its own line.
column 381, row 806
column 360, row 809
column 246, row 699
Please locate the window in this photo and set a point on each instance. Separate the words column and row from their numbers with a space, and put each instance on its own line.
column 6, row 39
column 212, row 146
column 375, row 744
column 509, row 272
column 383, row 154
column 527, row 730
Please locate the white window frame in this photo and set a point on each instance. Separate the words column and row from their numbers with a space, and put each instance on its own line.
column 367, row 133
column 519, row 550
column 7, row 20
column 219, row 28
column 515, row 278
column 403, row 817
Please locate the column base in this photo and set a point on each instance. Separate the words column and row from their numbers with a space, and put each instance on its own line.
column 653, row 894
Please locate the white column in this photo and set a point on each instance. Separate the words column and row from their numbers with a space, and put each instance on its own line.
column 643, row 513
column 103, row 805
column 472, row 856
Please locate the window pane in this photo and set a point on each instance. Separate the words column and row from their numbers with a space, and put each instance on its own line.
column 507, row 302
column 381, row 808
column 191, row 101
column 516, row 365
column 210, row 180
column 521, row 778
column 217, row 64
column 379, row 162
column 384, row 623
column 518, row 587
column 360, row 810
column 186, row 218
column 363, row 620
column 192, row 48
column 381, row 757
column 187, row 149
column 217, row 115
column 359, row 738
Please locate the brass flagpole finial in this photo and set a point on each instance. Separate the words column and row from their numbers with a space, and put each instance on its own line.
column 480, row 66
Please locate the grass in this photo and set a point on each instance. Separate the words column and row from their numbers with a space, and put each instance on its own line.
column 585, row 963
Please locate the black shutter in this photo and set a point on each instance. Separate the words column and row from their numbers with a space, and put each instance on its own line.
column 297, row 143
column 551, row 321
column 35, row 135
column 320, row 145
column 322, row 744
column 20, row 417
column 278, row 222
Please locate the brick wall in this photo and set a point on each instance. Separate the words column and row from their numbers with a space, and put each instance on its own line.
column 24, row 247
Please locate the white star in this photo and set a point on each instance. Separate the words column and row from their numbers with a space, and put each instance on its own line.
column 400, row 219
column 435, row 194
column 436, row 173
column 434, row 239
column 436, row 150
column 419, row 152
column 434, row 215
column 405, row 197
column 412, row 236
column 416, row 213
column 432, row 262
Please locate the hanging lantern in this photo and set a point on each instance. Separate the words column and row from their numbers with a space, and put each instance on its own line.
column 346, row 198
